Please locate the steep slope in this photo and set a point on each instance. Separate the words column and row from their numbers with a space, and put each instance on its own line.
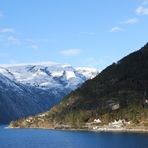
column 31, row 89
column 17, row 100
column 118, row 92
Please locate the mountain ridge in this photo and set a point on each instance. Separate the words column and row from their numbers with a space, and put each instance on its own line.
column 119, row 92
column 32, row 89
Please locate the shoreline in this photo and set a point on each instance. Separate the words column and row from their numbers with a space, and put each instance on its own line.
column 113, row 130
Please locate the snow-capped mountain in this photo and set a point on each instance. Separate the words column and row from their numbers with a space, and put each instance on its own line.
column 19, row 100
column 31, row 89
column 49, row 76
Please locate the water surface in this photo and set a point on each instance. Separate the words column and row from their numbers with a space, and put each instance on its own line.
column 40, row 138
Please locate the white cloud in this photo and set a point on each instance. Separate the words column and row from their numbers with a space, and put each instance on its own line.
column 7, row 30
column 145, row 2
column 43, row 40
column 34, row 46
column 71, row 52
column 29, row 40
column 131, row 21
column 116, row 29
column 13, row 40
column 142, row 10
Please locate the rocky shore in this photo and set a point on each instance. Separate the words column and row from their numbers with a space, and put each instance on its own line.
column 116, row 126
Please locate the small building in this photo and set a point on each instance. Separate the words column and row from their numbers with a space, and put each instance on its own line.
column 145, row 100
column 115, row 106
column 116, row 124
column 97, row 120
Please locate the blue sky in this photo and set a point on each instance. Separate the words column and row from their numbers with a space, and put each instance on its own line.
column 90, row 33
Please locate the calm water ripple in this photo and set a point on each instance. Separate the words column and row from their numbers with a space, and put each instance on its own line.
column 38, row 138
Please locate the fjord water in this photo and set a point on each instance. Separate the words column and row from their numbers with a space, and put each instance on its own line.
column 40, row 138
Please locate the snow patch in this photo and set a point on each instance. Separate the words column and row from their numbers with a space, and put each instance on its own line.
column 70, row 74
column 57, row 74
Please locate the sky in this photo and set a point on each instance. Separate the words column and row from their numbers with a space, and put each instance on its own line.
column 83, row 33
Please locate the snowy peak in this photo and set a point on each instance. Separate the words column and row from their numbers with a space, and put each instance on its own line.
column 90, row 73
column 49, row 76
column 31, row 89
column 6, row 73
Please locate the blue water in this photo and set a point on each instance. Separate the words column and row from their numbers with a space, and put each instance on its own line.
column 38, row 138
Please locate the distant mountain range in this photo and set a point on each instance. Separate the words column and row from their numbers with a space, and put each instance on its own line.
column 30, row 89
column 120, row 91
